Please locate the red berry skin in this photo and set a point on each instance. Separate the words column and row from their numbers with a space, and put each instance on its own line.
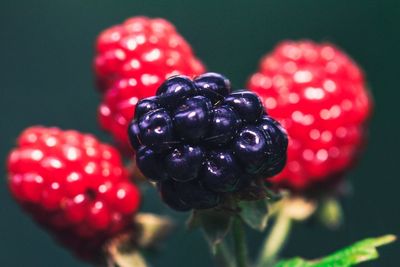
column 132, row 60
column 64, row 180
column 319, row 95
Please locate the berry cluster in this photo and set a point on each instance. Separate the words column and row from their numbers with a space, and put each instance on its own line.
column 132, row 60
column 198, row 141
column 319, row 95
column 72, row 185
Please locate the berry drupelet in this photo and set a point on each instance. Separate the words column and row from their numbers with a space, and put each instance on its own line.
column 72, row 185
column 199, row 142
column 319, row 95
column 132, row 60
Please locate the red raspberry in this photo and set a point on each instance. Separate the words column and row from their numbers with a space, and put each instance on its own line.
column 72, row 185
column 319, row 95
column 132, row 61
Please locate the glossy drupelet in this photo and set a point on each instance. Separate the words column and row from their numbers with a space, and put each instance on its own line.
column 201, row 143
column 319, row 95
column 72, row 185
column 132, row 60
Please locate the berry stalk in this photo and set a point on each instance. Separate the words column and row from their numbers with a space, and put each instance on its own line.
column 275, row 240
column 240, row 246
column 222, row 255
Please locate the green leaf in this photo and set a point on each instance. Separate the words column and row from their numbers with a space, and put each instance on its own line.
column 359, row 252
column 254, row 213
column 214, row 223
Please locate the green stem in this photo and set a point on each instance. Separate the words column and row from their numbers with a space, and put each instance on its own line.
column 239, row 243
column 222, row 255
column 276, row 240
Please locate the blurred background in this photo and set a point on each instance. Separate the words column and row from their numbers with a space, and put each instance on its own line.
column 46, row 50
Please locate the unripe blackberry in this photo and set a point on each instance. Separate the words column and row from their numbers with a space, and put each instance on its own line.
column 132, row 60
column 74, row 186
column 320, row 96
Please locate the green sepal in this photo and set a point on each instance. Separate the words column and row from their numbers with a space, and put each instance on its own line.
column 254, row 213
column 122, row 252
column 215, row 224
column 151, row 230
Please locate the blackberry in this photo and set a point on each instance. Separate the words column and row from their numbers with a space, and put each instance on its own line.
column 200, row 142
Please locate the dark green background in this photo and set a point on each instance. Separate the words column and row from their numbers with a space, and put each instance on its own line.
column 46, row 48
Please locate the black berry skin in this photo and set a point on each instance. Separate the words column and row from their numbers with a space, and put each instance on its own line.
column 146, row 160
column 184, row 162
column 275, row 136
column 214, row 86
column 251, row 148
column 175, row 90
column 273, row 169
column 246, row 104
column 133, row 133
column 202, row 144
column 156, row 129
column 192, row 118
column 197, row 196
column 146, row 105
column 224, row 125
column 221, row 172
column 170, row 196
